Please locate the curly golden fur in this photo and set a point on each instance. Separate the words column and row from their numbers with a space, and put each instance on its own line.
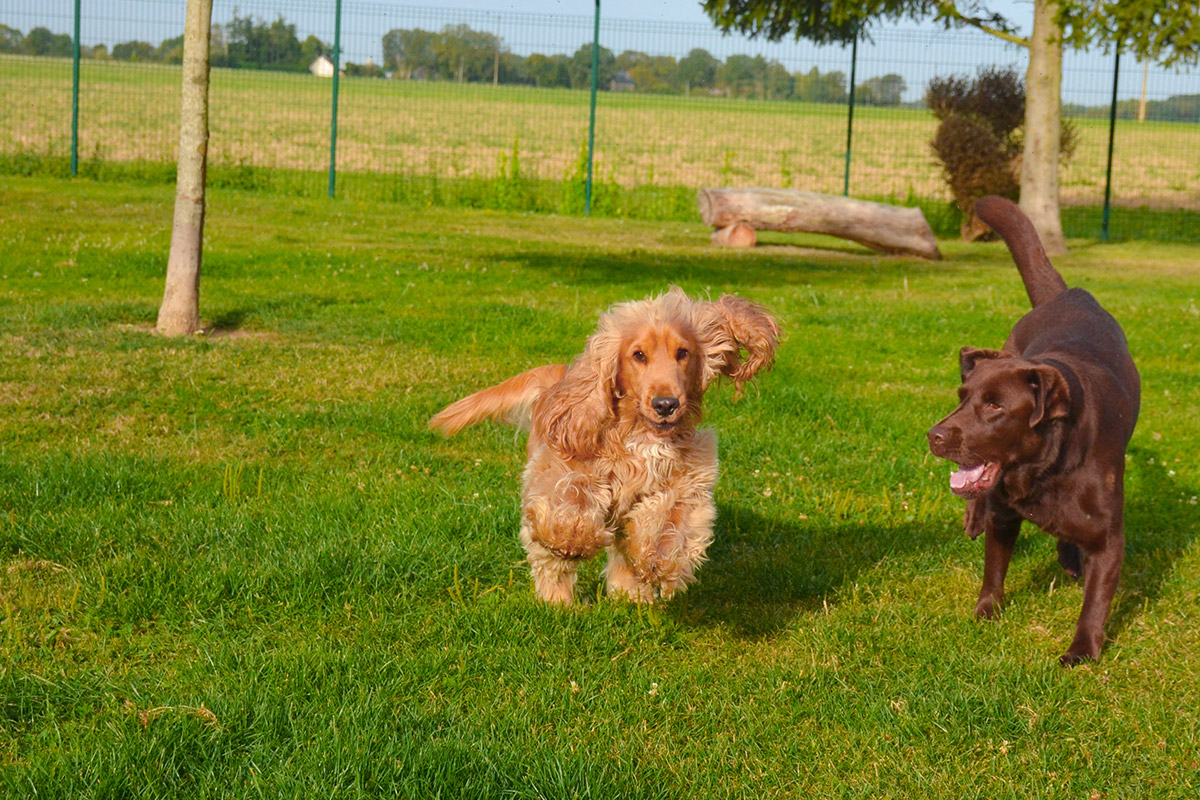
column 615, row 461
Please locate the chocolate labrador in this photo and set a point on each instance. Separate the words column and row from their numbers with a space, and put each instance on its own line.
column 1040, row 433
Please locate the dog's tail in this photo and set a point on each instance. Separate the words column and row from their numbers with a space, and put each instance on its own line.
column 510, row 401
column 1042, row 281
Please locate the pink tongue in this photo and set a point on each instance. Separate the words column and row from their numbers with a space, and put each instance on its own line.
column 963, row 476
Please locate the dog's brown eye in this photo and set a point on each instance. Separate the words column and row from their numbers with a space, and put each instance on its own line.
column 639, row 356
column 994, row 407
column 681, row 354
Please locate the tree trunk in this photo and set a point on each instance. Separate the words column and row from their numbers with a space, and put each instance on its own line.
column 179, row 314
column 1142, row 102
column 1043, row 128
column 883, row 227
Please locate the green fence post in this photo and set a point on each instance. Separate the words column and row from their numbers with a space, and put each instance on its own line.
column 1112, row 129
column 850, row 115
column 75, row 98
column 587, row 196
column 337, row 68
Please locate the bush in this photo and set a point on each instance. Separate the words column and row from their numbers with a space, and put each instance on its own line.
column 979, row 139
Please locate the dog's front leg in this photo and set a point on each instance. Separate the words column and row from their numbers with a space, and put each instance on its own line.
column 622, row 580
column 1000, row 526
column 635, row 561
column 666, row 539
column 1101, row 570
column 563, row 522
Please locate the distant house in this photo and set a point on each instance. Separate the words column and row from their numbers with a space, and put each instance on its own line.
column 622, row 82
column 322, row 67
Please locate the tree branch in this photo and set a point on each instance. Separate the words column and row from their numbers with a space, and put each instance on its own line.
column 950, row 10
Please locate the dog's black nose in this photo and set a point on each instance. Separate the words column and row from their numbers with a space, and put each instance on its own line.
column 665, row 406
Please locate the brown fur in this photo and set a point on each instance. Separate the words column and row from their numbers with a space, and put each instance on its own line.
column 1040, row 433
column 615, row 461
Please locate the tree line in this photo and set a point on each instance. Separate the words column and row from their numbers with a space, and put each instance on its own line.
column 460, row 54
column 242, row 43
column 1177, row 108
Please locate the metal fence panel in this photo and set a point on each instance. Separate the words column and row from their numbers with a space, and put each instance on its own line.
column 472, row 122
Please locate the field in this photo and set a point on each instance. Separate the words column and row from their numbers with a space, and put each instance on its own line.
column 239, row 564
column 128, row 112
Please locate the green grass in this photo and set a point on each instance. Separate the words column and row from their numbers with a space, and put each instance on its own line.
column 239, row 564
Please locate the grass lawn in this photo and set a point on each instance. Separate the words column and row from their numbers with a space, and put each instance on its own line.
column 239, row 564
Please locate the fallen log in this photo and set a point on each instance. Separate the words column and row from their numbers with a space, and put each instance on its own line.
column 886, row 228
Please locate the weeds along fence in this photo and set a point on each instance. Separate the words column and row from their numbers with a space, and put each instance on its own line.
column 445, row 106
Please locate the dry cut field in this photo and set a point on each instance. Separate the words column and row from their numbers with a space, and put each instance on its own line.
column 128, row 113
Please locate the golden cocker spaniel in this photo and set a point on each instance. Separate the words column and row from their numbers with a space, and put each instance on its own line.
column 615, row 461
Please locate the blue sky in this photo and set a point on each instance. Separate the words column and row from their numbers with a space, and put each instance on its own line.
column 668, row 27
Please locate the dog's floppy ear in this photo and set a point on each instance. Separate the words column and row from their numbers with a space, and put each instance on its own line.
column 969, row 355
column 573, row 412
column 733, row 325
column 1051, row 394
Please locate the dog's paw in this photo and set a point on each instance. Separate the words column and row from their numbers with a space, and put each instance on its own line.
column 1084, row 647
column 553, row 579
column 634, row 591
column 622, row 582
column 989, row 606
column 555, row 592
column 657, row 561
column 1072, row 658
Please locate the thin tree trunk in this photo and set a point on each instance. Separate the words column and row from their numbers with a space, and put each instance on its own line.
column 1043, row 127
column 1142, row 102
column 179, row 314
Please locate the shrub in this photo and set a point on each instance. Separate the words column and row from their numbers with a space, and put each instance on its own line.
column 979, row 139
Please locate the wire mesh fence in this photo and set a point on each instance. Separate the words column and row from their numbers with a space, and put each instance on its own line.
column 443, row 105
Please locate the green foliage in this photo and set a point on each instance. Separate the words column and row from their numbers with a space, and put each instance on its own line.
column 239, row 564
column 884, row 90
column 458, row 53
column 1168, row 33
column 822, row 21
column 698, row 69
column 1152, row 30
column 133, row 51
column 979, row 138
column 813, row 87
column 579, row 68
column 41, row 42
column 548, row 71
column 1177, row 108
column 11, row 40
column 653, row 74
column 250, row 43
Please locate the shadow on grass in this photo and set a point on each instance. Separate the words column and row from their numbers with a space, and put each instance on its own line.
column 1159, row 528
column 301, row 305
column 778, row 266
column 231, row 320
column 763, row 572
